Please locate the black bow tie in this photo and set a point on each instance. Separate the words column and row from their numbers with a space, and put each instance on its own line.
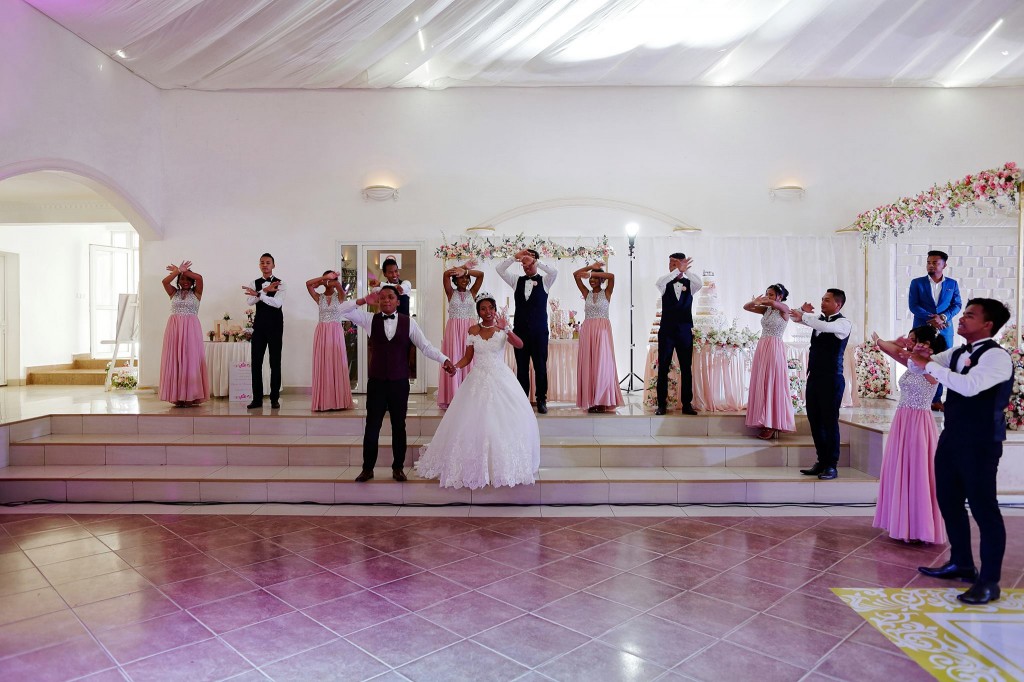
column 388, row 317
column 966, row 347
column 536, row 278
column 828, row 318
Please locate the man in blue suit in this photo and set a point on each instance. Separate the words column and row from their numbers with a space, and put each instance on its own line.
column 935, row 299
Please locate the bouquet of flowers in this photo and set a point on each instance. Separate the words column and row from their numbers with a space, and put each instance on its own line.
column 506, row 247
column 123, row 378
column 250, row 317
column 873, row 375
column 797, row 384
column 731, row 339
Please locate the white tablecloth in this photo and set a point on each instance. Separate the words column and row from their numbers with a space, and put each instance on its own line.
column 562, row 359
column 220, row 357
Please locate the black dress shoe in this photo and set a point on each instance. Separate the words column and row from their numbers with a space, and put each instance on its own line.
column 660, row 411
column 950, row 571
column 275, row 405
column 254, row 405
column 814, row 470
column 688, row 409
column 398, row 475
column 542, row 407
column 828, row 474
column 364, row 476
column 980, row 593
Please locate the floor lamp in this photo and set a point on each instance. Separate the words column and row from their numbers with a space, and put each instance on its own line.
column 631, row 231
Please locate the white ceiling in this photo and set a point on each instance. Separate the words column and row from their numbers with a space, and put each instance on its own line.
column 244, row 44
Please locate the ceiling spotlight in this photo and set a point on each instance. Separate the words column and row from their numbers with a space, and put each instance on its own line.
column 120, row 54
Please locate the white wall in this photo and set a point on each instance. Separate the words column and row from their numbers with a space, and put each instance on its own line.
column 281, row 171
column 54, row 289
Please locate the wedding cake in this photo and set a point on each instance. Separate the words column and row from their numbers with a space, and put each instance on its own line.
column 706, row 313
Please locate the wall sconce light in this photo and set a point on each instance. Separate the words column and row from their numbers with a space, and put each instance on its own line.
column 480, row 228
column 685, row 228
column 380, row 193
column 787, row 193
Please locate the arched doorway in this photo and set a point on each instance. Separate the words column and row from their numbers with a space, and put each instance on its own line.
column 69, row 245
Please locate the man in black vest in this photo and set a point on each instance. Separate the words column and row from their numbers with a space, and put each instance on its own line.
column 978, row 377
column 391, row 334
column 267, row 331
column 531, row 320
column 675, row 333
column 825, row 382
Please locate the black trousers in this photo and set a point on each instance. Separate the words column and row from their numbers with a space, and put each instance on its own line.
column 262, row 341
column 535, row 349
column 824, row 398
column 682, row 346
column 391, row 397
column 967, row 471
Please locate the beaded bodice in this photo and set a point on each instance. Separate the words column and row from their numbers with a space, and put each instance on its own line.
column 915, row 392
column 184, row 302
column 773, row 323
column 330, row 308
column 596, row 305
column 461, row 306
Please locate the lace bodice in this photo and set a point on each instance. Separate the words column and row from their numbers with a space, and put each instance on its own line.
column 488, row 353
column 915, row 391
column 187, row 305
column 596, row 305
column 461, row 306
column 330, row 308
column 773, row 323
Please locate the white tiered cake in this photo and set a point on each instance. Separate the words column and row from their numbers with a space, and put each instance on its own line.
column 706, row 313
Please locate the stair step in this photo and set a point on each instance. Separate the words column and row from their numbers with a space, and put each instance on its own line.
column 68, row 377
column 136, row 449
column 332, row 485
column 100, row 363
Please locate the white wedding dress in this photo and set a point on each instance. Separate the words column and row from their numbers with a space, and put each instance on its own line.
column 489, row 434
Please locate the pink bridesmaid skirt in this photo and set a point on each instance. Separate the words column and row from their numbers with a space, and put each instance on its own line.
column 183, row 373
column 597, row 380
column 769, row 404
column 907, row 508
column 454, row 346
column 331, row 387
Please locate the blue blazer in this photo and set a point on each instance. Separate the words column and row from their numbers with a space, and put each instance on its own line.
column 923, row 305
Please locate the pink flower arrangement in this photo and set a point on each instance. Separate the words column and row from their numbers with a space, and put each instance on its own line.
column 506, row 247
column 997, row 186
column 873, row 375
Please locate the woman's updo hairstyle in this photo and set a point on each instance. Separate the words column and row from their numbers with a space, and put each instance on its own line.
column 780, row 291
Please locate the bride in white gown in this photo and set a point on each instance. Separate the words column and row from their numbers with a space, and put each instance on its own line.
column 489, row 433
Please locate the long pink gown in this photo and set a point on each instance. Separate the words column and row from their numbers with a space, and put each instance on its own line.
column 331, row 387
column 597, row 380
column 769, row 404
column 461, row 316
column 183, row 373
column 907, row 508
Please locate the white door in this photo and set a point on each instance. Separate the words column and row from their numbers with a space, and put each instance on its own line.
column 111, row 273
column 371, row 256
column 3, row 321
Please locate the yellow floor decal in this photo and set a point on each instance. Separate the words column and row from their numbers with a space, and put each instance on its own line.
column 949, row 639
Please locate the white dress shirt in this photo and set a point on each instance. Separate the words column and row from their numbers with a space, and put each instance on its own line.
column 936, row 288
column 405, row 284
column 550, row 275
column 695, row 282
column 841, row 327
column 994, row 367
column 351, row 312
column 274, row 301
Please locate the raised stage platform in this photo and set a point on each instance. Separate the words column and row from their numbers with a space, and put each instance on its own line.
column 82, row 445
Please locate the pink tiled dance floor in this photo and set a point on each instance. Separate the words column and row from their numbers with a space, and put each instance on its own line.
column 187, row 597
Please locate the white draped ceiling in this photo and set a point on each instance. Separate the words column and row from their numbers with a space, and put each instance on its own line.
column 241, row 44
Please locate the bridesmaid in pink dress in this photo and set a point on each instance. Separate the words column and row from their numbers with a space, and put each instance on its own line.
column 461, row 295
column 907, row 508
column 597, row 380
column 331, row 387
column 769, row 404
column 184, row 378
